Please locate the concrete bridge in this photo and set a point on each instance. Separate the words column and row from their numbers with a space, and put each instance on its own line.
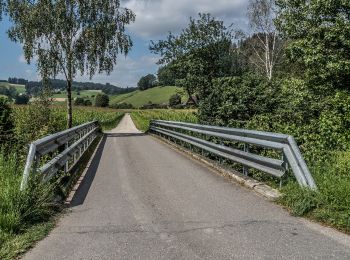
column 140, row 199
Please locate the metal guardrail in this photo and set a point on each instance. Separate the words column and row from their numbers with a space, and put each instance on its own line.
column 71, row 144
column 280, row 142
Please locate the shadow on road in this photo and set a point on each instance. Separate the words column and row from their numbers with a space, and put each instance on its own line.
column 124, row 134
column 84, row 187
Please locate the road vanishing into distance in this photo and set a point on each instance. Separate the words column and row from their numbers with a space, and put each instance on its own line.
column 141, row 199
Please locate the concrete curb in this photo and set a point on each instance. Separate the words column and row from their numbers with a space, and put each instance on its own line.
column 259, row 187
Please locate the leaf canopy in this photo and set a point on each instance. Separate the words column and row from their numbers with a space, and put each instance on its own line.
column 70, row 36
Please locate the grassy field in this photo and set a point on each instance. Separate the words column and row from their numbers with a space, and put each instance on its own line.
column 19, row 88
column 87, row 94
column 157, row 95
column 142, row 118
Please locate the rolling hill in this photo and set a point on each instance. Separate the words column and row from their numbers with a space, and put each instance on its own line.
column 19, row 88
column 157, row 95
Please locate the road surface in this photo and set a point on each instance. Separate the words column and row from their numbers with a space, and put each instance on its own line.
column 141, row 199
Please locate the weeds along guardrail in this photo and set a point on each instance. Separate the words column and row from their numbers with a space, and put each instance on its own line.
column 61, row 151
column 291, row 156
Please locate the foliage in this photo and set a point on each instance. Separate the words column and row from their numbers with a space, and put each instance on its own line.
column 319, row 32
column 35, row 121
column 228, row 99
column 265, row 45
column 147, row 82
column 198, row 54
column 175, row 100
column 142, row 118
column 87, row 103
column 101, row 100
column 166, row 76
column 331, row 204
column 21, row 99
column 157, row 95
column 6, row 125
column 122, row 106
column 21, row 209
column 71, row 36
column 79, row 101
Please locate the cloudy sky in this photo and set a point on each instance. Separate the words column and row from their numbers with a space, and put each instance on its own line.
column 154, row 19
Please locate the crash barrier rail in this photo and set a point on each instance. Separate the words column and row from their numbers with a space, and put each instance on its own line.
column 291, row 156
column 63, row 149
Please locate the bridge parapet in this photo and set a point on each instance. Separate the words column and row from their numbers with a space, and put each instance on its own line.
column 291, row 155
column 63, row 150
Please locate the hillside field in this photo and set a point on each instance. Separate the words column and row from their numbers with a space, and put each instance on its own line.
column 19, row 88
column 157, row 95
column 87, row 94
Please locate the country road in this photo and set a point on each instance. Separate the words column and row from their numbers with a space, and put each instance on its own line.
column 140, row 199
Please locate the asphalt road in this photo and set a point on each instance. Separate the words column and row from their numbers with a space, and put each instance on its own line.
column 141, row 199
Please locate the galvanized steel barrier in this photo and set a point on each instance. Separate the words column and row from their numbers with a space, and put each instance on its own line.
column 71, row 144
column 280, row 142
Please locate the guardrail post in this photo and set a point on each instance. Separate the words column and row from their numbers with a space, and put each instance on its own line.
column 246, row 169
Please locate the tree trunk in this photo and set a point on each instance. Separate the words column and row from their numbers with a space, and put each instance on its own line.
column 69, row 103
column 190, row 96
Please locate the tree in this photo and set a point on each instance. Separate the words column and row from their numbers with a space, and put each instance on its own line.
column 101, row 100
column 198, row 54
column 2, row 6
column 79, row 101
column 166, row 76
column 175, row 100
column 71, row 36
column 21, row 99
column 87, row 103
column 265, row 44
column 147, row 82
column 6, row 125
column 319, row 32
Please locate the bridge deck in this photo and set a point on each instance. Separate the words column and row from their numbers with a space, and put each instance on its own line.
column 142, row 200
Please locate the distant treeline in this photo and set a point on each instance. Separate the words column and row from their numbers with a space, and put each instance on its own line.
column 35, row 87
column 18, row 81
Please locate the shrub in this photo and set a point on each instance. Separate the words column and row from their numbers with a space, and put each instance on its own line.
column 21, row 99
column 175, row 100
column 6, row 125
column 79, row 101
column 101, row 100
column 87, row 103
column 122, row 106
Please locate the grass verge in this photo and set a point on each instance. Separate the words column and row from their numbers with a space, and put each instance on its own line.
column 28, row 216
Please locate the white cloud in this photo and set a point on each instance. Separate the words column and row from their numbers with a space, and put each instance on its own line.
column 155, row 18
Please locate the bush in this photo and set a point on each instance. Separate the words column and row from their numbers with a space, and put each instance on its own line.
column 79, row 101
column 21, row 99
column 87, row 103
column 101, row 100
column 122, row 106
column 175, row 100
column 6, row 125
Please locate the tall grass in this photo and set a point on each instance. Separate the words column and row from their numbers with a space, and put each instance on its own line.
column 20, row 210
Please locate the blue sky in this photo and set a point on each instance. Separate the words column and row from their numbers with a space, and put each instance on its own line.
column 154, row 19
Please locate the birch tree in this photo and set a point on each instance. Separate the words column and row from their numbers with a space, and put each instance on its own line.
column 264, row 42
column 66, row 37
